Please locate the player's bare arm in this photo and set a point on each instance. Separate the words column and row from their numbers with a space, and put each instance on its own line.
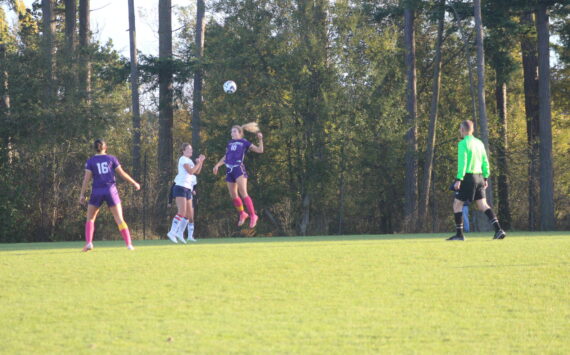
column 86, row 179
column 200, row 164
column 196, row 168
column 218, row 164
column 127, row 177
column 258, row 148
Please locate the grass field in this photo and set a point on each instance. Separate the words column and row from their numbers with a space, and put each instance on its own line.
column 350, row 294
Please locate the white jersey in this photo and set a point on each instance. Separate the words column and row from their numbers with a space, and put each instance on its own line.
column 183, row 178
column 193, row 181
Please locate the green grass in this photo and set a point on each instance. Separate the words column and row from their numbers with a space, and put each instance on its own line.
column 357, row 294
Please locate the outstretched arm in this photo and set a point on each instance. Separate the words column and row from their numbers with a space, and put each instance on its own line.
column 218, row 164
column 127, row 177
column 86, row 179
column 200, row 161
column 258, row 148
column 197, row 168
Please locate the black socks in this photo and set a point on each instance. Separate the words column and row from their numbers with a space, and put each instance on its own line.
column 458, row 223
column 493, row 219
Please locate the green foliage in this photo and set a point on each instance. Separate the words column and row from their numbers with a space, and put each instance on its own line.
column 325, row 81
column 501, row 41
column 323, row 108
column 45, row 142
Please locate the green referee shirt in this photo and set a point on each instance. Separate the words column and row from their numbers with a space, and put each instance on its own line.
column 471, row 158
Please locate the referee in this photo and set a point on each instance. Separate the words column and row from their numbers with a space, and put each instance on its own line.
column 471, row 180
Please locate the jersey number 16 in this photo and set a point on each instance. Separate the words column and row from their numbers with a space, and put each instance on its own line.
column 103, row 168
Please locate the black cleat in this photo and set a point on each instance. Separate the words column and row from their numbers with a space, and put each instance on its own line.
column 456, row 237
column 500, row 234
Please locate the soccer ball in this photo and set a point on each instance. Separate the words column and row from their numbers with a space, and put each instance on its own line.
column 230, row 87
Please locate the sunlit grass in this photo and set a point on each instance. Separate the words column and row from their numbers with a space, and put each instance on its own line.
column 354, row 294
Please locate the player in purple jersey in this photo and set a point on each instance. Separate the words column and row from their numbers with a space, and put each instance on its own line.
column 236, row 176
column 102, row 167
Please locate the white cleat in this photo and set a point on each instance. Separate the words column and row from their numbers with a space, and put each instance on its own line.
column 181, row 238
column 131, row 247
column 88, row 247
column 191, row 239
column 172, row 237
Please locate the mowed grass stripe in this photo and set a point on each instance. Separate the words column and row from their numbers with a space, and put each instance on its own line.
column 356, row 294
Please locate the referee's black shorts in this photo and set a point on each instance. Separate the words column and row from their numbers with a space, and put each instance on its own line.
column 472, row 188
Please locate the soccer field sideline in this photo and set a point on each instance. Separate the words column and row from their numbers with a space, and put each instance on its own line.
column 390, row 293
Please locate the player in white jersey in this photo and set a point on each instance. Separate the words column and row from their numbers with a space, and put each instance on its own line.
column 182, row 192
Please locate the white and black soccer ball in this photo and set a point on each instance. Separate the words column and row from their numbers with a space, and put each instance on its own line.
column 230, row 87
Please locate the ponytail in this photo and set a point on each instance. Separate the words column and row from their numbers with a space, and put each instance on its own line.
column 251, row 127
column 99, row 145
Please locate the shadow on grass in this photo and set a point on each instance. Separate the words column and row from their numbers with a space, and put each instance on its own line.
column 252, row 240
column 495, row 266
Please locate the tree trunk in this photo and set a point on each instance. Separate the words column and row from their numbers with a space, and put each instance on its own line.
column 70, row 26
column 5, row 109
column 411, row 177
column 49, row 28
column 547, row 221
column 504, row 212
column 469, row 67
column 311, row 105
column 341, row 189
column 305, row 214
column 434, row 205
column 436, row 84
column 481, row 75
column 70, row 45
column 84, row 51
column 165, row 106
column 530, row 70
column 197, row 94
column 481, row 222
column 135, row 92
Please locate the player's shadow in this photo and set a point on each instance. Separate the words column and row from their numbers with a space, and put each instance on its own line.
column 67, row 247
column 246, row 238
column 243, row 237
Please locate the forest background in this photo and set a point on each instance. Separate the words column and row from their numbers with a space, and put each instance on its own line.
column 359, row 103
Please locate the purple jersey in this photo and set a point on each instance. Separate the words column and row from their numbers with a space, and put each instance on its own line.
column 233, row 173
column 103, row 169
column 235, row 151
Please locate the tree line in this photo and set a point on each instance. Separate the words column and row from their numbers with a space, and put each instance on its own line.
column 359, row 102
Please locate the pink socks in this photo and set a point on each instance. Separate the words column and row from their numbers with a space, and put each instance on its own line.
column 125, row 233
column 249, row 204
column 89, row 230
column 238, row 205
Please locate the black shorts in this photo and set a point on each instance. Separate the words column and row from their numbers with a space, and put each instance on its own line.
column 472, row 188
column 181, row 191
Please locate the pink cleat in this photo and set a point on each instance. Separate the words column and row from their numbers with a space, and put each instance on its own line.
column 253, row 221
column 87, row 247
column 242, row 217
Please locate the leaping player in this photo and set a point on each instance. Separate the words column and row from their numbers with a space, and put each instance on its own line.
column 102, row 167
column 236, row 175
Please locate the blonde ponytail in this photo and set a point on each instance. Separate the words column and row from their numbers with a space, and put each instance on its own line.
column 251, row 127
